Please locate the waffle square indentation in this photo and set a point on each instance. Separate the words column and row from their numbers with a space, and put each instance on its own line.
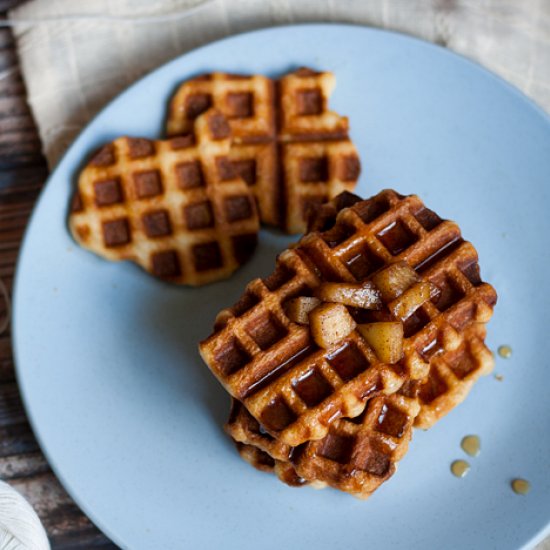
column 166, row 264
column 116, row 232
column 157, row 223
column 363, row 263
column 182, row 142
column 140, row 148
column 312, row 387
column 246, row 169
column 461, row 363
column 207, row 256
column 309, row 101
column 237, row 207
column 108, row 192
column 348, row 361
column 279, row 277
column 337, row 448
column 246, row 302
column 349, row 168
column 427, row 218
column 265, row 329
column 313, row 169
column 368, row 211
column 433, row 387
column 470, row 270
column 376, row 463
column 391, row 421
column 219, row 128
column 189, row 174
column 277, row 415
column 147, row 184
column 225, row 169
column 240, row 104
column 231, row 357
column 196, row 104
column 415, row 322
column 105, row 156
column 198, row 215
column 338, row 234
column 397, row 237
column 449, row 294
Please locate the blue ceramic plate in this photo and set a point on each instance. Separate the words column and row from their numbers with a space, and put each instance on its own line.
column 129, row 417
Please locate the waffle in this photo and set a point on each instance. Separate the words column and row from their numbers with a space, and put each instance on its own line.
column 264, row 462
column 356, row 456
column 175, row 207
column 451, row 376
column 458, row 355
column 292, row 151
column 296, row 390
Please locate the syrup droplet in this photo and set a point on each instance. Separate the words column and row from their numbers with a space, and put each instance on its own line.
column 471, row 445
column 460, row 468
column 499, row 377
column 521, row 486
column 505, row 352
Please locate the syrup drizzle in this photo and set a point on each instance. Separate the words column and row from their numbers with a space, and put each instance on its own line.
column 460, row 468
column 505, row 352
column 521, row 486
column 471, row 445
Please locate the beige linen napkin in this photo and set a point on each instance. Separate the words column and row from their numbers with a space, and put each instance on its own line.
column 79, row 55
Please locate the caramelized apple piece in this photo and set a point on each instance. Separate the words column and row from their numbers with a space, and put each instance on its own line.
column 364, row 295
column 386, row 339
column 393, row 280
column 330, row 323
column 298, row 309
column 404, row 306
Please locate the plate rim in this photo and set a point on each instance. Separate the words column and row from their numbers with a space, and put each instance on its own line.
column 536, row 538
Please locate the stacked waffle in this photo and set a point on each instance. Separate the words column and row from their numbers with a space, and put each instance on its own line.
column 374, row 323
column 243, row 149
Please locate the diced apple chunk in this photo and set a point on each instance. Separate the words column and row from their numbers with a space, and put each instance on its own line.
column 364, row 295
column 404, row 306
column 330, row 323
column 386, row 339
column 298, row 309
column 393, row 280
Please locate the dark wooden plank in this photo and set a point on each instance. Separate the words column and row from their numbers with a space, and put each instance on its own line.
column 67, row 527
column 23, row 172
column 11, row 407
column 6, row 5
column 6, row 361
column 17, row 439
column 18, row 466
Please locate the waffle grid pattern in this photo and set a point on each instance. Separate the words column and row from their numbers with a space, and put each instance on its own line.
column 175, row 207
column 357, row 455
column 293, row 152
column 266, row 375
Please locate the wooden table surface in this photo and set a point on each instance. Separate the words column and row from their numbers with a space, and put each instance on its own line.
column 23, row 171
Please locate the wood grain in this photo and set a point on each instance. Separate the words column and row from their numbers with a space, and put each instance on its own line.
column 22, row 174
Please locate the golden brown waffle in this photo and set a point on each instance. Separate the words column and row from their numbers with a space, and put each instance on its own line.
column 356, row 456
column 457, row 353
column 175, row 207
column 283, row 470
column 451, row 376
column 291, row 150
column 296, row 390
